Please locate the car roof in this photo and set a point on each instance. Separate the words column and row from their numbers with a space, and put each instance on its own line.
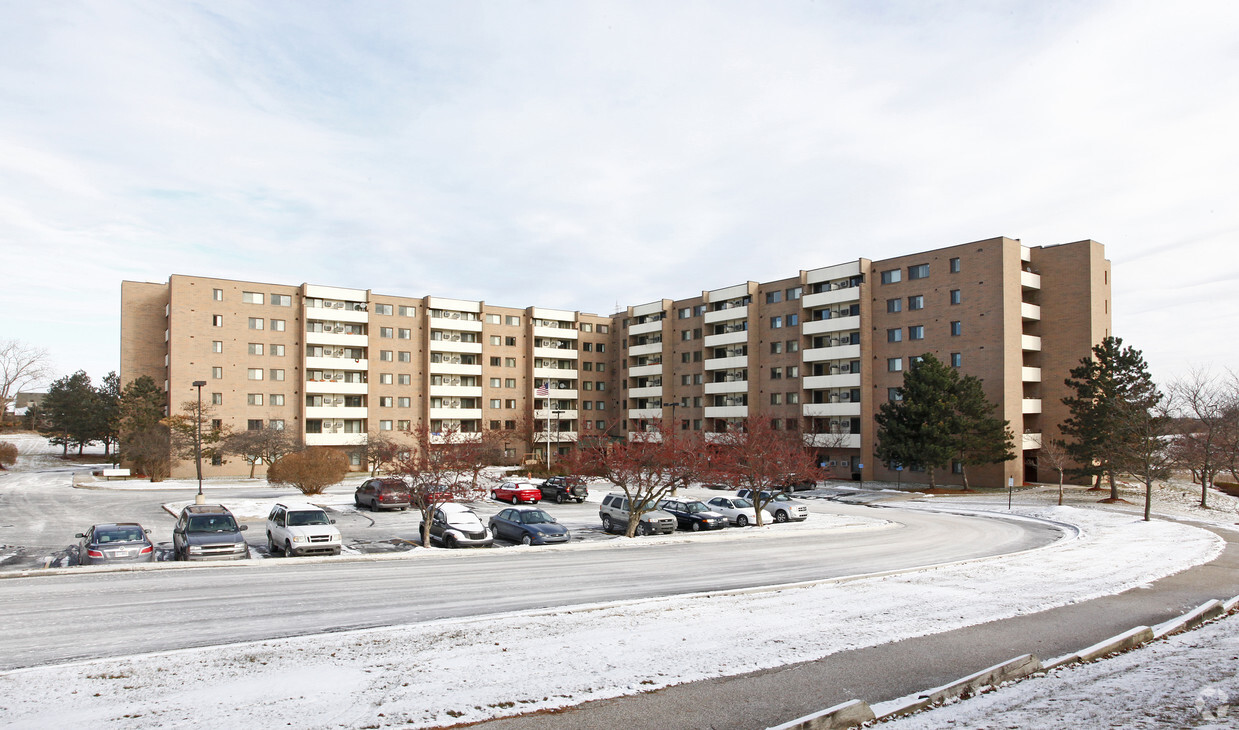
column 298, row 507
column 526, row 508
column 454, row 507
column 109, row 525
column 206, row 509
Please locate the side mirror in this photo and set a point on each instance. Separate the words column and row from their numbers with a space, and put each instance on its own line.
column 146, row 531
column 331, row 521
column 244, row 527
column 80, row 534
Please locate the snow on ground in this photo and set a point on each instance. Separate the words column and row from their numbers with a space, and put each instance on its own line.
column 459, row 670
column 1188, row 680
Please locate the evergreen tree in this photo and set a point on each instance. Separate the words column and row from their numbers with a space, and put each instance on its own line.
column 983, row 438
column 1107, row 386
column 107, row 412
column 920, row 429
column 70, row 411
column 143, row 438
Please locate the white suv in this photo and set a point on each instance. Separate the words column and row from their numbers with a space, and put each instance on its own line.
column 615, row 515
column 302, row 530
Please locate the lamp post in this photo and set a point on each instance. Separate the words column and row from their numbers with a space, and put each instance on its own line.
column 673, row 405
column 548, row 439
column 200, row 499
column 505, row 451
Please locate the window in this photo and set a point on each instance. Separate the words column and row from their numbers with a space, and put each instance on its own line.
column 774, row 297
column 957, row 328
column 254, row 424
column 587, row 405
column 217, row 320
column 277, row 325
column 403, row 378
column 384, row 425
column 217, row 399
column 955, row 296
column 494, row 319
column 586, row 327
column 599, row 385
column 276, row 399
column 794, row 293
column 251, row 297
column 793, row 371
column 496, row 382
column 253, row 399
column 385, row 355
column 776, row 348
column 256, row 323
column 893, row 276
column 406, row 311
column 404, row 356
column 509, row 383
column 382, row 309
column 776, row 373
column 892, row 394
column 916, row 302
column 255, row 348
column 600, row 406
column 685, row 356
column 605, row 328
column 496, row 362
column 587, row 346
column 894, row 364
column 217, row 295
column 793, row 398
column 404, row 334
column 601, row 367
column 385, row 378
column 509, row 362
column 776, row 322
column 793, row 345
column 588, row 366
column 496, row 403
column 281, row 300
column 509, row 341
column 254, row 374
column 385, row 401
column 217, row 346
column 697, row 379
column 509, row 403
column 957, row 467
column 954, row 266
column 217, row 373
column 916, row 332
column 793, row 320
column 386, row 332
column 957, row 359
column 894, row 335
column 588, row 384
column 776, row 399
column 894, row 305
column 513, row 321
column 920, row 271
column 277, row 373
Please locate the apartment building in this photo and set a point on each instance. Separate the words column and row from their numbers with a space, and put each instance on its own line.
column 821, row 352
column 818, row 352
column 335, row 364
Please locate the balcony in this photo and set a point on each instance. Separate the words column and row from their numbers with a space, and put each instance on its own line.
column 331, row 314
column 563, row 333
column 726, row 315
column 832, row 440
column 1029, row 280
column 555, row 353
column 457, row 391
column 336, row 338
column 826, row 382
column 834, row 296
column 655, row 391
column 471, row 348
column 1031, row 441
column 1030, row 311
column 637, row 371
column 562, row 394
column 727, row 411
column 541, row 417
column 727, row 363
column 334, row 412
column 334, row 387
column 826, row 410
column 1030, row 342
column 336, row 363
column 731, row 386
column 645, row 414
column 727, row 338
column 457, row 438
column 335, row 439
column 1031, row 406
column 834, row 324
column 541, row 374
column 555, row 437
column 454, row 368
column 1030, row 375
column 650, row 349
column 456, row 414
column 646, row 328
column 461, row 325
column 836, row 352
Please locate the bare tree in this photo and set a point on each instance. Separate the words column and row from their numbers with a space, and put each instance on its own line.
column 1146, row 453
column 195, row 419
column 437, row 468
column 1204, row 403
column 310, row 471
column 20, row 365
column 382, row 450
column 761, row 459
column 262, row 446
column 1054, row 455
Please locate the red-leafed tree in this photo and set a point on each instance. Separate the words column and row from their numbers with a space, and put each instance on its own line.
column 761, row 458
column 645, row 468
column 438, row 467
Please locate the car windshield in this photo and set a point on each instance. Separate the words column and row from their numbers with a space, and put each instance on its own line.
column 781, row 497
column 122, row 534
column 536, row 517
column 211, row 523
column 741, row 503
column 308, row 517
column 695, row 507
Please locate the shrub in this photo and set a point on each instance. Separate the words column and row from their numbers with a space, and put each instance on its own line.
column 310, row 471
column 8, row 454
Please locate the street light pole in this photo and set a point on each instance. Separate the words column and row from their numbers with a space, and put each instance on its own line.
column 200, row 499
column 673, row 405
column 548, row 440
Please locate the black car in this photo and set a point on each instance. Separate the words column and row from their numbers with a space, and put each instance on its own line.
column 564, row 489
column 693, row 515
column 528, row 525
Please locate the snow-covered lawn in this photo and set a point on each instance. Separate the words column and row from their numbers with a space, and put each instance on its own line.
column 462, row 670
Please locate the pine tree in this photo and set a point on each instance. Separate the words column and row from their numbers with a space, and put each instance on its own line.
column 1106, row 386
column 143, row 438
column 70, row 412
column 920, row 429
column 107, row 412
column 983, row 438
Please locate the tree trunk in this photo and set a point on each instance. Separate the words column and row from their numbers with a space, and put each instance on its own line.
column 1114, row 486
column 1148, row 498
column 931, row 477
column 252, row 465
column 963, row 469
column 1204, row 495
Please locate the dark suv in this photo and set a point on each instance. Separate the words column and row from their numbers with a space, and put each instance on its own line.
column 208, row 532
column 564, row 489
column 383, row 493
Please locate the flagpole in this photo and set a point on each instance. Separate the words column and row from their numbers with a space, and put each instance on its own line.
column 548, row 428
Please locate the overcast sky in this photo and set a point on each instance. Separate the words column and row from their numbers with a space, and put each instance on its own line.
column 581, row 155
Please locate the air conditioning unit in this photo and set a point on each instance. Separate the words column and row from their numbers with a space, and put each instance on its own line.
column 845, row 368
column 455, row 315
column 456, row 361
column 455, row 381
column 338, row 376
column 845, row 396
column 339, row 328
column 339, row 401
column 455, row 338
column 338, row 305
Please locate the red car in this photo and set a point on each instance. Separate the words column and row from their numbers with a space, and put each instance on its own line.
column 517, row 492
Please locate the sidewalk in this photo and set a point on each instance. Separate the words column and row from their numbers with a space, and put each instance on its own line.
column 876, row 674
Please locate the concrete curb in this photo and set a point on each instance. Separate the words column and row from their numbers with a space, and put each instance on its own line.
column 1017, row 668
column 1189, row 620
column 1230, row 605
column 852, row 713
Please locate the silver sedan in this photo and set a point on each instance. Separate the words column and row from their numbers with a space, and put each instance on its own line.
column 739, row 511
column 124, row 542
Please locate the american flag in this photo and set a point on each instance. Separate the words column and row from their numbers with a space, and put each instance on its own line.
column 544, row 390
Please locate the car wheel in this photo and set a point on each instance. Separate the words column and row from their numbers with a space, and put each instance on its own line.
column 271, row 549
column 357, row 501
column 606, row 523
column 288, row 549
column 780, row 516
column 494, row 496
column 449, row 541
column 742, row 520
column 559, row 499
column 641, row 529
column 535, row 501
column 526, row 539
column 696, row 527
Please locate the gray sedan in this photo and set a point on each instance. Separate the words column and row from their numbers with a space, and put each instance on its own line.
column 125, row 542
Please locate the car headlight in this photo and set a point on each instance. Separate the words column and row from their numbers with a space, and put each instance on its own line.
column 299, row 538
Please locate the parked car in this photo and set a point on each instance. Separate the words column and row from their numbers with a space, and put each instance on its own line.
column 797, row 484
column 434, row 495
column 784, row 507
column 528, row 525
column 383, row 493
column 124, row 542
column 517, row 492
column 693, row 515
column 738, row 510
column 615, row 515
column 208, row 532
column 455, row 525
column 302, row 530
column 564, row 489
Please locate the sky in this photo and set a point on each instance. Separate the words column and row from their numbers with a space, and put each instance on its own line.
column 587, row 155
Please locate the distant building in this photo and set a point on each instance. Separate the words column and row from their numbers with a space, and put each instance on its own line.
column 819, row 352
column 24, row 400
